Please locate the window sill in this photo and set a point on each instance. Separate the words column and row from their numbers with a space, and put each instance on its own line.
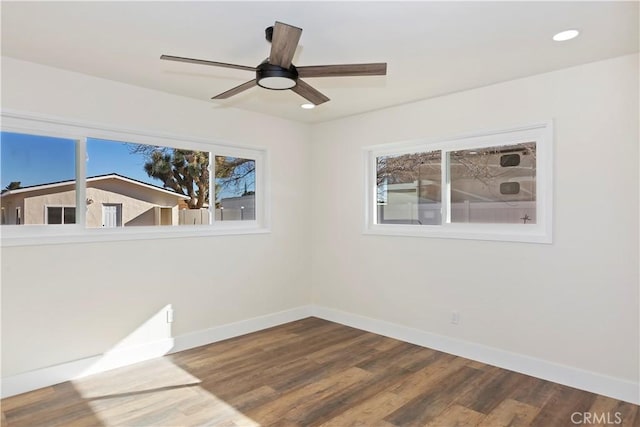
column 504, row 233
column 41, row 236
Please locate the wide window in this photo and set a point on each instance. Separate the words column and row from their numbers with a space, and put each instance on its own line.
column 125, row 183
column 494, row 186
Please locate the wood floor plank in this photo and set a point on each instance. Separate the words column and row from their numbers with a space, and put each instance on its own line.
column 370, row 412
column 629, row 413
column 364, row 342
column 493, row 387
column 457, row 416
column 308, row 373
column 387, row 357
column 254, row 398
column 510, row 413
column 313, row 414
column 318, row 391
column 416, row 358
column 34, row 397
column 477, row 365
column 432, row 402
column 430, row 376
column 534, row 391
column 563, row 403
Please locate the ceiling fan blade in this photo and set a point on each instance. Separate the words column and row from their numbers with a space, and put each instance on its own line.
column 205, row 62
column 283, row 44
column 309, row 93
column 340, row 70
column 236, row 90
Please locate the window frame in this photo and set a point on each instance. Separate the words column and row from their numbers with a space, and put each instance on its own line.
column 36, row 124
column 541, row 232
column 63, row 207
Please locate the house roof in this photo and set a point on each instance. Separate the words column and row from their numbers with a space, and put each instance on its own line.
column 93, row 179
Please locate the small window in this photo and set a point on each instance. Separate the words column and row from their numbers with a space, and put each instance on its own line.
column 509, row 160
column 492, row 186
column 60, row 215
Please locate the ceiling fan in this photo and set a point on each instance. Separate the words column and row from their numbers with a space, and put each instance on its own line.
column 278, row 73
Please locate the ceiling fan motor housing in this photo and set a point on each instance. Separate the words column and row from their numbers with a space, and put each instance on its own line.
column 274, row 77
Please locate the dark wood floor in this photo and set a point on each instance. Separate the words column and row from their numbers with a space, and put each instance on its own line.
column 312, row 373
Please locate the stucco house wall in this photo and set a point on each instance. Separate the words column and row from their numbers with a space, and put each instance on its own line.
column 141, row 204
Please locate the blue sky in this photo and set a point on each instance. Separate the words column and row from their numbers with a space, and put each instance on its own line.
column 35, row 160
column 104, row 157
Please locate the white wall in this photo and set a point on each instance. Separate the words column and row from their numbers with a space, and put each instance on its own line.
column 572, row 303
column 65, row 302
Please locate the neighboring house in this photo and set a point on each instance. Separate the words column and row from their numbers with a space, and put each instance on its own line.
column 111, row 201
column 499, row 187
column 237, row 208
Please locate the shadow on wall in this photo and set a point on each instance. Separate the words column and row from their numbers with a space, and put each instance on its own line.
column 151, row 339
column 145, row 218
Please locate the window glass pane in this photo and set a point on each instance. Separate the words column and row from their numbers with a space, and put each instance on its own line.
column 69, row 215
column 35, row 171
column 145, row 185
column 235, row 189
column 54, row 215
column 409, row 188
column 494, row 184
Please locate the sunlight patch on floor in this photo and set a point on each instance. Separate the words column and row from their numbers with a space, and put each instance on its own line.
column 156, row 392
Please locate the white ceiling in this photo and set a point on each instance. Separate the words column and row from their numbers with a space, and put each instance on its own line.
column 432, row 48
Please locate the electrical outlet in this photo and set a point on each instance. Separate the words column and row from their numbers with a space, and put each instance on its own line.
column 455, row 317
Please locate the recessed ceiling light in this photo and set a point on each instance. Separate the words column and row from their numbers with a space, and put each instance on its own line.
column 308, row 106
column 563, row 36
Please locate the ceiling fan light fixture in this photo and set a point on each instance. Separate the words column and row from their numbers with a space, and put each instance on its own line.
column 276, row 83
column 273, row 77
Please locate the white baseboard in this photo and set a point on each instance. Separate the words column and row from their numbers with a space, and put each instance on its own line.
column 230, row 330
column 617, row 388
column 44, row 377
column 566, row 375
